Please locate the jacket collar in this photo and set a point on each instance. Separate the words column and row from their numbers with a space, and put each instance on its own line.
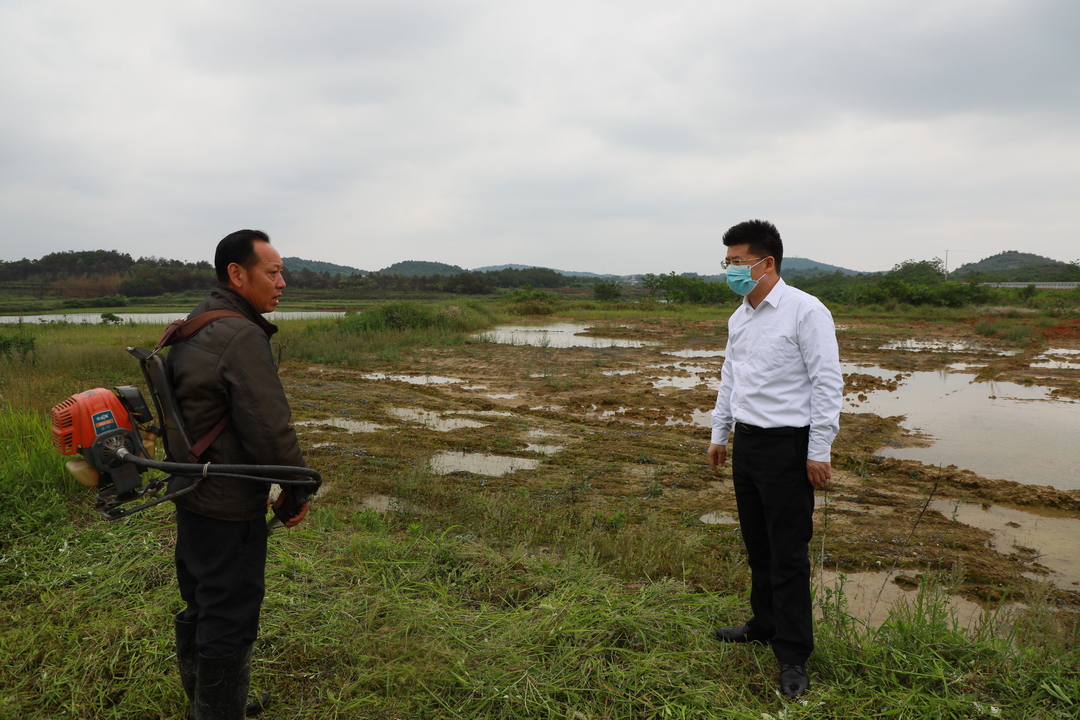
column 233, row 300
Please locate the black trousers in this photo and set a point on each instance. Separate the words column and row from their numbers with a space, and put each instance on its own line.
column 776, row 509
column 220, row 567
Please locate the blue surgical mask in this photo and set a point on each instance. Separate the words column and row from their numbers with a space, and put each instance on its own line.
column 739, row 280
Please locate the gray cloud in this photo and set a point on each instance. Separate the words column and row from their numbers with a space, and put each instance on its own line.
column 607, row 136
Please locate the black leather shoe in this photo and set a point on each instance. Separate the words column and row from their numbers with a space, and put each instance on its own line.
column 740, row 634
column 793, row 680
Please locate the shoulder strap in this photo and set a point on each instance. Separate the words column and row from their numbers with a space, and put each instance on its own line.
column 204, row 442
column 185, row 329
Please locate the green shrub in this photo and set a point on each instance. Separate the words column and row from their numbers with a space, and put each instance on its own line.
column 607, row 291
column 97, row 302
column 687, row 289
column 530, row 301
column 19, row 343
column 461, row 316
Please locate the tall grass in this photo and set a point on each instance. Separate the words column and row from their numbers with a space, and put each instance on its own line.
column 1019, row 334
column 628, row 547
column 394, row 618
column 69, row 358
column 34, row 487
column 384, row 330
column 457, row 603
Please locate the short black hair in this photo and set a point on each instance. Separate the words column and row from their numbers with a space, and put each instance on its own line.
column 762, row 237
column 239, row 248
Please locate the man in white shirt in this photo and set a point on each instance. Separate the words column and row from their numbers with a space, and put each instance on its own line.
column 782, row 390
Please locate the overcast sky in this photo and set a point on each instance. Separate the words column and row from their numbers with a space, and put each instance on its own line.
column 607, row 136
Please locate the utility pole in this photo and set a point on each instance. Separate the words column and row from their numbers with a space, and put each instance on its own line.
column 946, row 265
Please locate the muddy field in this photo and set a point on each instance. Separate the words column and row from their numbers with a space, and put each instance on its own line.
column 616, row 420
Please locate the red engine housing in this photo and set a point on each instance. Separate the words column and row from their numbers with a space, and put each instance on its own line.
column 77, row 421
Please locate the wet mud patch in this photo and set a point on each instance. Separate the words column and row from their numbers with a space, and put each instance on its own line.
column 631, row 453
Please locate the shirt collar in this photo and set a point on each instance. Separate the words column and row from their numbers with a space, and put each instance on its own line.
column 773, row 298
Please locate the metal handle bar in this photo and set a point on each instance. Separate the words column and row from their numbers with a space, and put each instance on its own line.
column 267, row 473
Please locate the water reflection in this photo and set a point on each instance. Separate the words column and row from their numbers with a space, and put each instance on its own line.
column 543, row 449
column 356, row 426
column 870, row 596
column 996, row 429
column 1052, row 539
column 695, row 375
column 950, row 346
column 152, row 318
column 556, row 335
column 1058, row 359
column 434, row 420
column 413, row 379
column 697, row 353
column 480, row 463
column 700, row 418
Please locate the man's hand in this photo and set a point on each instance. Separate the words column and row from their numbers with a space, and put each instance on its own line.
column 297, row 514
column 819, row 473
column 717, row 456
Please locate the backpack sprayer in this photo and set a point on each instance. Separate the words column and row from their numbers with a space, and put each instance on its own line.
column 115, row 434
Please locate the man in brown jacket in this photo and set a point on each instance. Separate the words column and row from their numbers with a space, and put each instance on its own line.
column 228, row 369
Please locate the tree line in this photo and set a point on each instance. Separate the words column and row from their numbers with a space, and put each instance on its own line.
column 98, row 273
column 107, row 273
column 912, row 282
column 464, row 283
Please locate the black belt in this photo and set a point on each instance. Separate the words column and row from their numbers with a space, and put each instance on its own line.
column 755, row 430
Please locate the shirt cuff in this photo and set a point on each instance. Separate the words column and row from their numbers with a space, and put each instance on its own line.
column 720, row 435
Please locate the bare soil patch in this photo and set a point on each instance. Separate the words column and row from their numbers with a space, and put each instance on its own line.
column 626, row 422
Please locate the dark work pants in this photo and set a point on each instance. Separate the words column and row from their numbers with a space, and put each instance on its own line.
column 776, row 509
column 220, row 567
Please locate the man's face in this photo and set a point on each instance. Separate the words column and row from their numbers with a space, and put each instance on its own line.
column 262, row 283
column 741, row 255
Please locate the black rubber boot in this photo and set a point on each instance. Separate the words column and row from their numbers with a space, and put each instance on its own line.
column 257, row 706
column 187, row 658
column 221, row 692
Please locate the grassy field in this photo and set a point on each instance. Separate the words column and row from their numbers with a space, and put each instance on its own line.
column 458, row 598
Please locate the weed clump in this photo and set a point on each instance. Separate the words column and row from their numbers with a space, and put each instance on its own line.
column 18, row 343
column 530, row 301
column 1019, row 334
column 410, row 315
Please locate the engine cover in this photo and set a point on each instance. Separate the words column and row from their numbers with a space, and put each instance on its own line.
column 78, row 421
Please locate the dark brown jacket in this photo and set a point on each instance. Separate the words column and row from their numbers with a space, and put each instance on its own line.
column 228, row 367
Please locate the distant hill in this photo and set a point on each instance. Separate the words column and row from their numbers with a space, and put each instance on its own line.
column 568, row 273
column 295, row 265
column 415, row 268
column 1005, row 261
column 797, row 266
column 494, row 268
column 794, row 267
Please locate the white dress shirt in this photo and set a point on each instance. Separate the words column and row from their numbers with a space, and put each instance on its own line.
column 782, row 369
